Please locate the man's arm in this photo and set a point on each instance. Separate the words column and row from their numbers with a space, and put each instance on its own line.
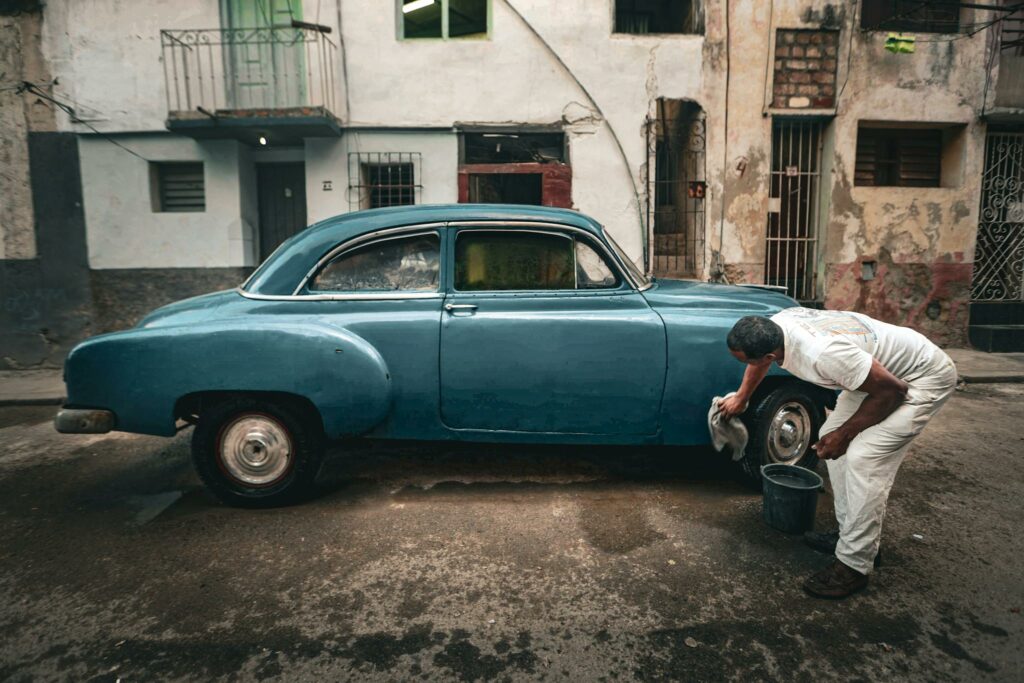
column 736, row 404
column 885, row 393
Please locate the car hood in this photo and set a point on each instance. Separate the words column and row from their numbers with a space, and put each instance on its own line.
column 188, row 310
column 710, row 295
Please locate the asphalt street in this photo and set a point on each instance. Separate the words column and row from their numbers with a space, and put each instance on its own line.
column 472, row 562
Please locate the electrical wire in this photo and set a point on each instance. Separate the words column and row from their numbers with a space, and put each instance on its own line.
column 597, row 107
column 769, row 55
column 849, row 54
column 28, row 86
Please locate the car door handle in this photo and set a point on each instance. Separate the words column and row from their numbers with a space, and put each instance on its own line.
column 455, row 308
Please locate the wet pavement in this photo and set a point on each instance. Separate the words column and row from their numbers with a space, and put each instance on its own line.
column 478, row 562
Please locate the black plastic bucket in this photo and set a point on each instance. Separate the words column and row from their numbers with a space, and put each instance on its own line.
column 790, row 495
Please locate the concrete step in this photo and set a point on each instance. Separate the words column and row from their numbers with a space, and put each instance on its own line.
column 997, row 338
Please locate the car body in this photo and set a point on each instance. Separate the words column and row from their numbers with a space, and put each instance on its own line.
column 509, row 323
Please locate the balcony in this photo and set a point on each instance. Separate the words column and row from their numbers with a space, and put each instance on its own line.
column 1008, row 104
column 261, row 85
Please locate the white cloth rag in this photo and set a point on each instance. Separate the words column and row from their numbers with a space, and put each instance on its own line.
column 727, row 432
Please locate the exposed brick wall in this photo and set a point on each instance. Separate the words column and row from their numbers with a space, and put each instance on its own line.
column 805, row 69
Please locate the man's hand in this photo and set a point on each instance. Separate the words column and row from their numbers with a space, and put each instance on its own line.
column 732, row 406
column 833, row 445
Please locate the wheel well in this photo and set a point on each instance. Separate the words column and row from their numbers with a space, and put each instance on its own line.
column 190, row 407
column 773, row 382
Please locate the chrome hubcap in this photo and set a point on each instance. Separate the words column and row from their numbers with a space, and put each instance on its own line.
column 255, row 450
column 789, row 433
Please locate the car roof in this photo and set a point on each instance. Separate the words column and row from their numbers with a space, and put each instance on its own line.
column 281, row 273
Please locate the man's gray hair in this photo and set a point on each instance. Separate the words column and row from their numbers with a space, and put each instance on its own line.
column 756, row 336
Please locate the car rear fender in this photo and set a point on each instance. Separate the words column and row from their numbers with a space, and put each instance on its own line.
column 141, row 374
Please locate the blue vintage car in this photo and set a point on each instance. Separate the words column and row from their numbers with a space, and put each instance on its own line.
column 469, row 322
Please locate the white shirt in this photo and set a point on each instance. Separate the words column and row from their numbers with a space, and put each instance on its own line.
column 833, row 349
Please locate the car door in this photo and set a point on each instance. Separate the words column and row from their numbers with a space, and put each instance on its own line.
column 541, row 333
column 388, row 289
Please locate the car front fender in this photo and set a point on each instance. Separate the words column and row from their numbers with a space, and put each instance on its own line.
column 140, row 374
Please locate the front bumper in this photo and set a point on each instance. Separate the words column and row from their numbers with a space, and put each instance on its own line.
column 84, row 421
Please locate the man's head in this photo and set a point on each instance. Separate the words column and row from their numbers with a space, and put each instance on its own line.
column 756, row 340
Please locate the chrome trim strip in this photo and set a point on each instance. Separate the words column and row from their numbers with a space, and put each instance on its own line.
column 388, row 233
column 493, row 223
column 361, row 296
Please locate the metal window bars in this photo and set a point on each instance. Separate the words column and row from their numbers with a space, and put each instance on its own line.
column 792, row 235
column 379, row 179
column 999, row 250
column 247, row 68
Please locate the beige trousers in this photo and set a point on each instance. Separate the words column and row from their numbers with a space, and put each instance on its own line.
column 862, row 478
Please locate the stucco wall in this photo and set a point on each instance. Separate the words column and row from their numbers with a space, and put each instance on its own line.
column 125, row 232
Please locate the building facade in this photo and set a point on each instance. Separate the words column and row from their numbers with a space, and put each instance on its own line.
column 861, row 154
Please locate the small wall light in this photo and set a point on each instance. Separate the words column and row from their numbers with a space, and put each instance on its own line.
column 263, row 140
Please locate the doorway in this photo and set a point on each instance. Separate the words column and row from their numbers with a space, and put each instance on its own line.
column 676, row 188
column 281, row 197
column 791, row 252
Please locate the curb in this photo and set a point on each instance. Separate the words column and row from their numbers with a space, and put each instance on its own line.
column 43, row 401
column 992, row 379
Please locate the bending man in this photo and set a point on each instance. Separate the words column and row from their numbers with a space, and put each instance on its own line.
column 893, row 381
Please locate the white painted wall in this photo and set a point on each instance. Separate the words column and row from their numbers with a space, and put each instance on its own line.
column 123, row 231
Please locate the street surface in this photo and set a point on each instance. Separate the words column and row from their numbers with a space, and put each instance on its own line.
column 476, row 562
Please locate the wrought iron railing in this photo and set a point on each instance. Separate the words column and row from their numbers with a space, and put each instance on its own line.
column 211, row 70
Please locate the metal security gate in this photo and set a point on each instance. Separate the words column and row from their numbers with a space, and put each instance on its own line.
column 792, row 235
column 999, row 251
column 676, row 188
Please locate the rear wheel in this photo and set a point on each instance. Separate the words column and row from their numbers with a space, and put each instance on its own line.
column 783, row 425
column 254, row 452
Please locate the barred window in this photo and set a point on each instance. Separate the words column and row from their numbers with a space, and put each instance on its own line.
column 177, row 186
column 383, row 179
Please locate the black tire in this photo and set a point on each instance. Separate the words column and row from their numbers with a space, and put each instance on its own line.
column 298, row 429
column 762, row 412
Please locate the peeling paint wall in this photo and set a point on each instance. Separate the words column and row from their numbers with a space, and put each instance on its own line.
column 20, row 60
column 922, row 239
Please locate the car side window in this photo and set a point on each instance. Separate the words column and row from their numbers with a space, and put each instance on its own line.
column 592, row 271
column 410, row 264
column 500, row 261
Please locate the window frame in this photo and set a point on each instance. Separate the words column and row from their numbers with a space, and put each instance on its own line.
column 157, row 170
column 400, row 24
column 342, row 253
column 891, row 138
column 904, row 24
column 623, row 283
column 616, row 32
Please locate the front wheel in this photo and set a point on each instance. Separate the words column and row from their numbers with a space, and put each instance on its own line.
column 254, row 452
column 783, row 425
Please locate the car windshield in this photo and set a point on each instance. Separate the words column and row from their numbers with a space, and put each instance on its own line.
column 635, row 272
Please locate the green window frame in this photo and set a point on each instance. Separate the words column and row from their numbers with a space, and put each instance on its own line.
column 445, row 28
